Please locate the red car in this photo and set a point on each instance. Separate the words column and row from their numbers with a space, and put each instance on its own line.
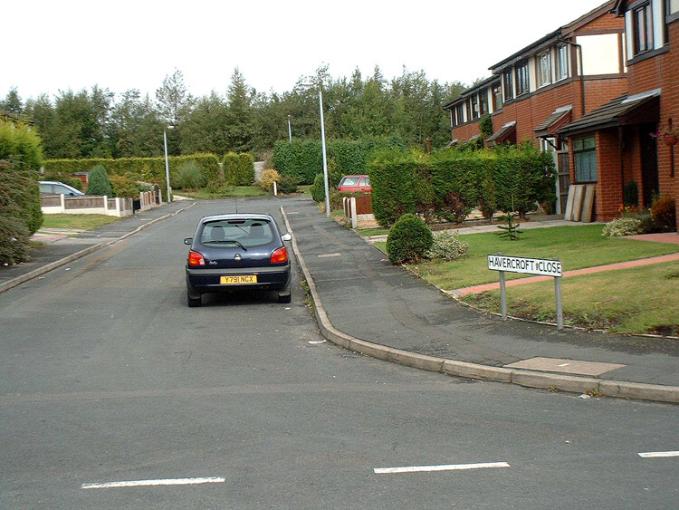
column 355, row 184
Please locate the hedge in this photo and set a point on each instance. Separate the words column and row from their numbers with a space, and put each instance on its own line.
column 239, row 169
column 449, row 183
column 20, row 156
column 140, row 169
column 303, row 159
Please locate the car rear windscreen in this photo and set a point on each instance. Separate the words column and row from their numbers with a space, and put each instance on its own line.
column 247, row 232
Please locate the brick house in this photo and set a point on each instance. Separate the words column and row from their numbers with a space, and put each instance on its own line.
column 622, row 142
column 550, row 83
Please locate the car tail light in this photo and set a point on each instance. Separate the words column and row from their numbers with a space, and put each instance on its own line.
column 280, row 256
column 195, row 259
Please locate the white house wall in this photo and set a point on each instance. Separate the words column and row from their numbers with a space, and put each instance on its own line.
column 600, row 54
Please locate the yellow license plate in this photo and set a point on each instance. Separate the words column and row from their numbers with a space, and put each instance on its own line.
column 244, row 279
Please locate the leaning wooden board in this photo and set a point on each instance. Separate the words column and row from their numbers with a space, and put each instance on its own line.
column 577, row 202
column 568, row 216
column 588, row 203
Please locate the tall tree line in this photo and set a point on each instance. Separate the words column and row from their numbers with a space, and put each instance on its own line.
column 98, row 123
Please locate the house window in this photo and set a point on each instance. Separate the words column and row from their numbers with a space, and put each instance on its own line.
column 483, row 101
column 673, row 8
column 497, row 97
column 642, row 28
column 508, row 83
column 459, row 113
column 474, row 106
column 544, row 62
column 584, row 150
column 561, row 62
column 522, row 83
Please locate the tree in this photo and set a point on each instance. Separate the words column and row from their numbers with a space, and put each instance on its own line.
column 172, row 101
column 98, row 183
column 12, row 103
column 240, row 123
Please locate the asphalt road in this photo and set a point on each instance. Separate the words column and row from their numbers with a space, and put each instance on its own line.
column 107, row 376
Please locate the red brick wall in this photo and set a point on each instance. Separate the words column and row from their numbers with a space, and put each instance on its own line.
column 609, row 186
column 662, row 72
column 533, row 110
column 464, row 133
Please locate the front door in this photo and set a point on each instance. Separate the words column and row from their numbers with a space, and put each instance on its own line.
column 649, row 163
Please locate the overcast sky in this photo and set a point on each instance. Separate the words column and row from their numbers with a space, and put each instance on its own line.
column 50, row 45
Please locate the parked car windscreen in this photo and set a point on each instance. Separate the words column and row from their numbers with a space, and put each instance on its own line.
column 246, row 232
column 349, row 181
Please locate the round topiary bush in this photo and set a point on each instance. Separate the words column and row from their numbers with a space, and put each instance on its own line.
column 409, row 240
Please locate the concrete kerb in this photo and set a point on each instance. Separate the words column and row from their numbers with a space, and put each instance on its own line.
column 14, row 282
column 526, row 378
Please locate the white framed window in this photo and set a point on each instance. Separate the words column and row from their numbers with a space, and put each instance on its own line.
column 522, row 79
column 562, row 62
column 544, row 68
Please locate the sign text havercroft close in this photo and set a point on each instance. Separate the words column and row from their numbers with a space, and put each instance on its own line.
column 524, row 265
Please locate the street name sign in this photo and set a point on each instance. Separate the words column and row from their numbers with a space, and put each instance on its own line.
column 524, row 265
column 527, row 265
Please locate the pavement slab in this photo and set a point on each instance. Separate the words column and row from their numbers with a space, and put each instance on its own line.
column 368, row 298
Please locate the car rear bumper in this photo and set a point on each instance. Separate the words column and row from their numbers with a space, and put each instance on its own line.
column 208, row 280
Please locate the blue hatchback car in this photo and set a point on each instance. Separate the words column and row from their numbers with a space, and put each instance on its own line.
column 237, row 252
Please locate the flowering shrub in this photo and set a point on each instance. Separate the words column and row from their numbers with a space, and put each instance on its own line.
column 447, row 246
column 267, row 179
column 622, row 227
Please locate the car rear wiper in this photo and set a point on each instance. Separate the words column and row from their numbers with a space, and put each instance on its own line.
column 227, row 241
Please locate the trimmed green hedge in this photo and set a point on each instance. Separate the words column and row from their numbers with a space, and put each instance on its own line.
column 140, row 169
column 449, row 183
column 303, row 159
column 20, row 158
column 239, row 169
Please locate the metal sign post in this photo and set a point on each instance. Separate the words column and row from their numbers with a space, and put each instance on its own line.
column 505, row 264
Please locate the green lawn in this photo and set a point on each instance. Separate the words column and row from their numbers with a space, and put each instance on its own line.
column 576, row 247
column 232, row 192
column 369, row 232
column 638, row 300
column 77, row 221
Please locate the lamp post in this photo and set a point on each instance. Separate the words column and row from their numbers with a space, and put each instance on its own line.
column 325, row 157
column 289, row 129
column 167, row 164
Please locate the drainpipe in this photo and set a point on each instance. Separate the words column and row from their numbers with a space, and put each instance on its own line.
column 581, row 73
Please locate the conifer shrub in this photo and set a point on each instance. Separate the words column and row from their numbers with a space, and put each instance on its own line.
column 409, row 240
column 99, row 183
column 189, row 176
column 318, row 189
column 245, row 175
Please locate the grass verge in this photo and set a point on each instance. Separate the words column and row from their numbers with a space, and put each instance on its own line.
column 576, row 247
column 232, row 192
column 77, row 221
column 638, row 300
column 369, row 232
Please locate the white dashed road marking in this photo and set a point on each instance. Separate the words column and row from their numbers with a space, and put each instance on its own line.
column 152, row 483
column 450, row 467
column 328, row 255
column 658, row 455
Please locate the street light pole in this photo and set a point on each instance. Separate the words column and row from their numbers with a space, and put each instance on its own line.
column 167, row 166
column 325, row 159
column 289, row 130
